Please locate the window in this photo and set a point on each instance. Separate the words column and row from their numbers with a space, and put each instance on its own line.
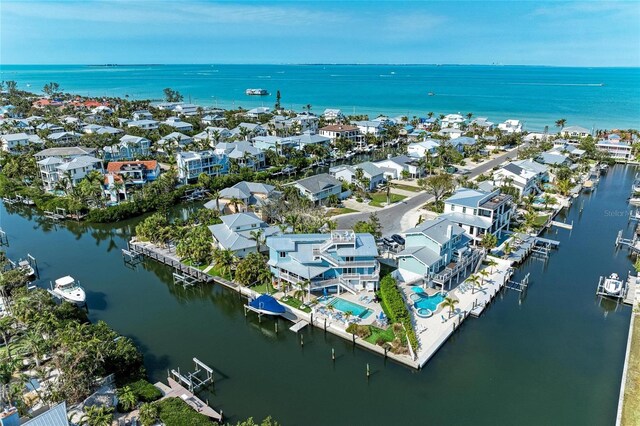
column 282, row 254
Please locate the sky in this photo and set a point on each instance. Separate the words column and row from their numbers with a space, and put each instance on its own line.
column 560, row 33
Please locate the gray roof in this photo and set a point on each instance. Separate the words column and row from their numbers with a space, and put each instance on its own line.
column 369, row 168
column 66, row 151
column 79, row 162
column 436, row 229
column 55, row 416
column 531, row 165
column 14, row 137
column 467, row 197
column 552, row 158
column 225, row 234
column 423, row 254
column 318, row 183
column 468, row 219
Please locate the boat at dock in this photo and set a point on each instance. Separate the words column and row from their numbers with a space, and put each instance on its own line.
column 67, row 288
column 256, row 92
column 604, row 168
column 635, row 188
column 27, row 269
column 613, row 285
column 265, row 304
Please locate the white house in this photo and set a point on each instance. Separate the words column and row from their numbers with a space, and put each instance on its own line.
column 372, row 173
column 66, row 172
column 575, row 132
column 240, row 233
column 63, row 137
column 178, row 124
column 332, row 115
column 319, row 188
column 393, row 167
column 187, row 110
column 370, row 127
column 618, row 149
column 451, row 132
column 420, row 149
column 479, row 212
column 510, row 126
column 340, row 131
column 524, row 181
column 257, row 112
column 15, row 141
column 143, row 124
column 452, row 120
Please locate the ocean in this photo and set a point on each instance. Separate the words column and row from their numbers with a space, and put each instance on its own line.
column 600, row 98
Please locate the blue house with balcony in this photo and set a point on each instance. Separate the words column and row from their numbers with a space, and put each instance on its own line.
column 339, row 261
column 436, row 251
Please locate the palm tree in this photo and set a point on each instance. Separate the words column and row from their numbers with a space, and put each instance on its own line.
column 507, row 248
column 127, row 398
column 224, row 260
column 6, row 328
column 258, row 237
column 483, row 274
column 35, row 344
column 475, row 282
column 451, row 304
column 7, row 369
column 148, row 414
column 235, row 202
column 548, row 199
column 347, row 315
column 560, row 123
column 491, row 263
column 96, row 415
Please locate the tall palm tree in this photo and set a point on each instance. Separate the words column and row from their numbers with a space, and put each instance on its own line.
column 451, row 304
column 483, row 274
column 127, row 398
column 560, row 123
column 224, row 259
column 235, row 202
column 492, row 263
column 258, row 237
column 475, row 282
column 6, row 328
column 96, row 415
column 148, row 414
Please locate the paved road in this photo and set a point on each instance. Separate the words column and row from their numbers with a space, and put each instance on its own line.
column 390, row 217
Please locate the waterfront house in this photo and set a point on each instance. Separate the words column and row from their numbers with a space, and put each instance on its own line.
column 340, row 131
column 212, row 118
column 452, row 121
column 121, row 174
column 393, row 167
column 571, row 150
column 305, row 122
column 62, row 138
column 178, row 124
column 15, row 142
column 370, row 127
column 553, row 158
column 433, row 247
column 574, row 132
column 242, row 153
column 275, row 143
column 319, row 188
column 332, row 115
column 479, row 212
column 512, row 175
column 250, row 129
column 143, row 124
column 241, row 233
column 129, row 148
column 510, row 127
column 451, row 132
column 258, row 112
column 191, row 164
column 339, row 261
column 65, row 153
column 249, row 195
column 65, row 173
column 187, row 110
column 618, row 149
column 213, row 135
column 142, row 114
column 482, row 123
column 372, row 175
column 420, row 149
column 309, row 138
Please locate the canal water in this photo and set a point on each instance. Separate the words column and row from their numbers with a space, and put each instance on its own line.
column 552, row 357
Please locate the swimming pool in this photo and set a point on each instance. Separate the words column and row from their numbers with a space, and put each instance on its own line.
column 429, row 302
column 346, row 306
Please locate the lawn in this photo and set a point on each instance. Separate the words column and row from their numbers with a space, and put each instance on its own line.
column 541, row 220
column 295, row 303
column 380, row 334
column 264, row 288
column 631, row 404
column 379, row 199
column 214, row 272
column 406, row 187
column 340, row 210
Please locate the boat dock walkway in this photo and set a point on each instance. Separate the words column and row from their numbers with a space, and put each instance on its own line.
column 176, row 390
column 562, row 224
column 632, row 294
column 298, row 326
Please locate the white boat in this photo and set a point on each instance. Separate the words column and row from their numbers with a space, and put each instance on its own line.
column 256, row 92
column 613, row 285
column 68, row 289
column 636, row 186
column 26, row 267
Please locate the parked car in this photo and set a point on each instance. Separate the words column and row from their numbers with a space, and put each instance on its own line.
column 398, row 239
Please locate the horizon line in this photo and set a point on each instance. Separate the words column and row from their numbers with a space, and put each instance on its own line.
column 124, row 64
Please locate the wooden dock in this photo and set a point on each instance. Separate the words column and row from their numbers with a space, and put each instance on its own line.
column 298, row 326
column 562, row 224
column 176, row 390
column 632, row 295
column 155, row 253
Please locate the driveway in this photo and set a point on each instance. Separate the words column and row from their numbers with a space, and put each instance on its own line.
column 391, row 217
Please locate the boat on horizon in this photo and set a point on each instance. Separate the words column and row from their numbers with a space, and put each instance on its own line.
column 256, row 92
column 67, row 288
column 613, row 285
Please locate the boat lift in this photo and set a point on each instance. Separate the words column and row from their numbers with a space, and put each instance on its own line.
column 193, row 380
column 628, row 289
column 4, row 240
column 131, row 258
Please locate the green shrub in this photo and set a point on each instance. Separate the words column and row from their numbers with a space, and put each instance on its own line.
column 395, row 308
column 176, row 412
column 359, row 199
column 145, row 391
column 362, row 331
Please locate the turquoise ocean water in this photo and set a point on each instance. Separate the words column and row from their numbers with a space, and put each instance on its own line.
column 590, row 97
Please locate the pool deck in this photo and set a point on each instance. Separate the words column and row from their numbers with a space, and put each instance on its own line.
column 432, row 332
